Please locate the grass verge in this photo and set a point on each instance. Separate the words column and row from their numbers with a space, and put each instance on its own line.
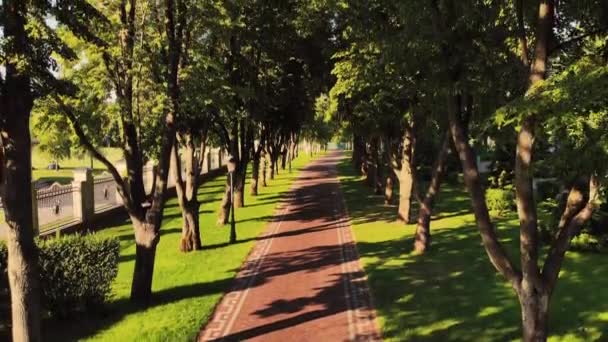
column 186, row 286
column 452, row 292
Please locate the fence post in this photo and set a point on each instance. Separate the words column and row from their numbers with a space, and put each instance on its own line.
column 36, row 227
column 208, row 161
column 219, row 157
column 83, row 196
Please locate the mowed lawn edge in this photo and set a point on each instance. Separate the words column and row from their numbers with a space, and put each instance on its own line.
column 186, row 287
column 452, row 293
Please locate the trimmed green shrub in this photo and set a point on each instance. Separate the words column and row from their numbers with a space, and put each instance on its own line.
column 500, row 200
column 76, row 272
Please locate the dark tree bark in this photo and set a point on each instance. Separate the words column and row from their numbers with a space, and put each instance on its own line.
column 293, row 149
column 255, row 173
column 264, row 160
column 16, row 170
column 358, row 151
column 255, row 168
column 373, row 172
column 246, row 145
column 271, row 168
column 422, row 238
column 284, row 151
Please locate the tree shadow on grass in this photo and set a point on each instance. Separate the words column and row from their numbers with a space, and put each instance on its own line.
column 88, row 325
column 453, row 292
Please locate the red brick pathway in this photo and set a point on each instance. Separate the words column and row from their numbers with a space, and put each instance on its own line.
column 302, row 281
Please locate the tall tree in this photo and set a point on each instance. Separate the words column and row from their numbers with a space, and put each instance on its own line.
column 532, row 284
column 129, row 40
column 26, row 46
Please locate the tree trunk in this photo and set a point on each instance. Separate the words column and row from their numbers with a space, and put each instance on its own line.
column 534, row 316
column 422, row 239
column 16, row 174
column 292, row 154
column 406, row 184
column 255, row 174
column 187, row 195
column 388, row 189
column 406, row 175
column 239, row 187
column 239, row 199
column 276, row 164
column 494, row 249
column 284, row 158
column 377, row 160
column 271, row 169
column 358, row 153
column 191, row 237
column 224, row 213
column 264, row 168
column 146, row 240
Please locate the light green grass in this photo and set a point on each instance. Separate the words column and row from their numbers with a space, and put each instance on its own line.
column 452, row 293
column 186, row 286
column 41, row 160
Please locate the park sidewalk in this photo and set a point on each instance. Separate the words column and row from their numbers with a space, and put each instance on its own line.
column 302, row 281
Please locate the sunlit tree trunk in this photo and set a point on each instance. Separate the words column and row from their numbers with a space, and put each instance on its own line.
column 406, row 176
column 16, row 171
column 186, row 192
column 422, row 238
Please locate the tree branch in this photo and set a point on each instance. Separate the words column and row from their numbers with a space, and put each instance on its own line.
column 121, row 188
column 560, row 245
column 523, row 39
column 576, row 39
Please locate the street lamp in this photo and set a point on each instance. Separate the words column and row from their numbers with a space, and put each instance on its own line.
column 231, row 167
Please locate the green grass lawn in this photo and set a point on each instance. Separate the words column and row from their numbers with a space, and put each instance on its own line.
column 41, row 160
column 186, row 286
column 452, row 292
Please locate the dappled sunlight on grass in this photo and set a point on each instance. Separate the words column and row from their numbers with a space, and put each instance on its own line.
column 186, row 286
column 453, row 292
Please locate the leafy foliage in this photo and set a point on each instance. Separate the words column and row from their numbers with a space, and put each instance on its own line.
column 500, row 200
column 76, row 272
column 572, row 109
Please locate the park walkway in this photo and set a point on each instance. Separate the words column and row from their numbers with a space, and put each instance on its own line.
column 302, row 281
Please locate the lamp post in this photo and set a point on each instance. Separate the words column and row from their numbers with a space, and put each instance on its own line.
column 231, row 167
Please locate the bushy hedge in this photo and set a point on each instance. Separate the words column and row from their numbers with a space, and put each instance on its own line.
column 500, row 200
column 76, row 272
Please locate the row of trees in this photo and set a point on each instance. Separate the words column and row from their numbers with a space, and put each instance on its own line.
column 163, row 79
column 418, row 79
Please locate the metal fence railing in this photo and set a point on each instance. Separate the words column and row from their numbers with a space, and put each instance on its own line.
column 59, row 206
column 104, row 193
column 55, row 205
